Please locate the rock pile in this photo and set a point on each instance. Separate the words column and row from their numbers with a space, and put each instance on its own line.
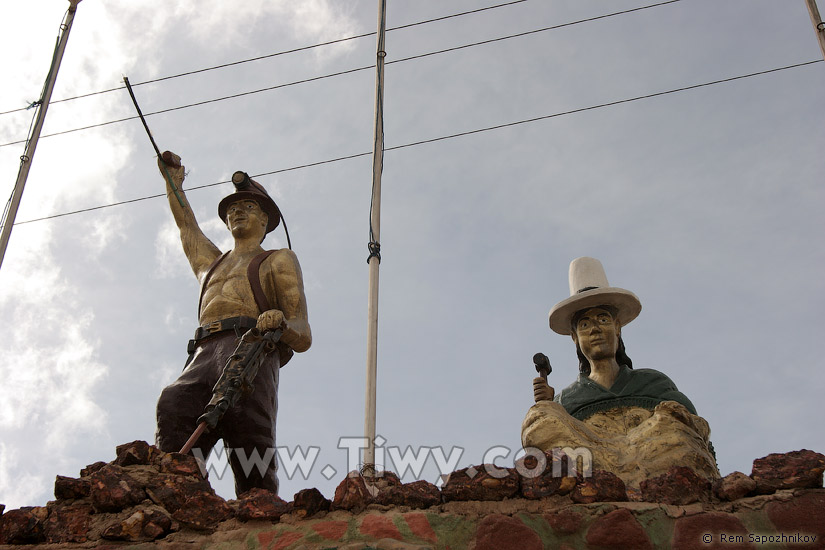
column 145, row 494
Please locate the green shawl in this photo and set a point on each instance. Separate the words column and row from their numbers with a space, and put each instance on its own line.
column 644, row 388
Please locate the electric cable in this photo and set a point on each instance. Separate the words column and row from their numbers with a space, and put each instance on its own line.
column 357, row 69
column 276, row 54
column 450, row 136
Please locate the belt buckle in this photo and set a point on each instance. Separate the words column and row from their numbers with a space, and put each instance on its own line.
column 214, row 326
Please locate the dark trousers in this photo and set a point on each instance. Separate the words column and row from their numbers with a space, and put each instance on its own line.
column 246, row 428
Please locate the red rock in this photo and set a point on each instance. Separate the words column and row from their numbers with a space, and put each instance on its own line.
column 176, row 463
column 68, row 523
column 712, row 530
column 734, row 486
column 191, row 501
column 601, row 486
column 91, row 468
column 2, row 509
column 143, row 525
column 805, row 514
column 679, row 485
column 544, row 478
column 172, row 491
column 795, row 470
column 23, row 525
column 618, row 530
column 564, row 522
column 308, row 502
column 418, row 494
column 66, row 488
column 380, row 527
column 477, row 483
column 112, row 489
column 331, row 530
column 354, row 494
column 136, row 452
column 260, row 503
column 547, row 477
column 420, row 526
column 497, row 532
column 203, row 511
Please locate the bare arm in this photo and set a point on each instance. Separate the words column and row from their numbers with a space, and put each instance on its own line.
column 198, row 248
column 289, row 290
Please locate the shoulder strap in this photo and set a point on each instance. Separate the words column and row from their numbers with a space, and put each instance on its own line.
column 254, row 276
column 253, row 273
column 206, row 278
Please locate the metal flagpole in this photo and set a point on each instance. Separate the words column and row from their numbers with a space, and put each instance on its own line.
column 819, row 26
column 26, row 159
column 374, row 258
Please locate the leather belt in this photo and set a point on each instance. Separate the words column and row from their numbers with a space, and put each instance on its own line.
column 231, row 323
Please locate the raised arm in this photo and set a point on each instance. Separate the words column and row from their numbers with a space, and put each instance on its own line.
column 283, row 270
column 199, row 250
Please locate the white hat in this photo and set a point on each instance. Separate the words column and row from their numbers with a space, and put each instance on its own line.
column 589, row 288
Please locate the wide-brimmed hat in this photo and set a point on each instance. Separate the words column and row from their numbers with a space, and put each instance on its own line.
column 589, row 288
column 249, row 189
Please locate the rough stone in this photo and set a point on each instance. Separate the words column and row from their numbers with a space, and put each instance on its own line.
column 618, row 530
column 92, row 468
column 172, row 491
column 66, row 488
column 353, row 493
column 380, row 527
column 23, row 525
column 418, row 494
column 191, row 501
column 260, row 503
column 112, row 489
column 203, row 511
column 144, row 524
column 680, row 485
column 496, row 532
column 68, row 523
column 538, row 482
column 804, row 514
column 734, row 486
column 564, row 522
column 176, row 463
column 136, row 452
column 479, row 483
column 601, row 486
column 795, row 470
column 712, row 530
column 308, row 502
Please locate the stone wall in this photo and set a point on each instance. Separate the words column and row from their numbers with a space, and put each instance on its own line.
column 149, row 499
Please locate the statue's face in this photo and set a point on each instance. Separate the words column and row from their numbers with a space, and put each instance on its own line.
column 244, row 218
column 597, row 334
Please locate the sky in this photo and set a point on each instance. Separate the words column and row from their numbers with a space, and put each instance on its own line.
column 706, row 203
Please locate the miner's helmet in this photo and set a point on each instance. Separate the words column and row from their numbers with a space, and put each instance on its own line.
column 248, row 189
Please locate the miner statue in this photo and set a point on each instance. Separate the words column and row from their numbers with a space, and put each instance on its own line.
column 633, row 422
column 242, row 289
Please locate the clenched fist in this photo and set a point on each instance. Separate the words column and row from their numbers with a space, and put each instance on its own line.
column 171, row 162
column 541, row 390
column 271, row 320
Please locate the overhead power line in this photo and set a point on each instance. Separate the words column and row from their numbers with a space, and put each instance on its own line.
column 450, row 136
column 276, row 54
column 357, row 69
